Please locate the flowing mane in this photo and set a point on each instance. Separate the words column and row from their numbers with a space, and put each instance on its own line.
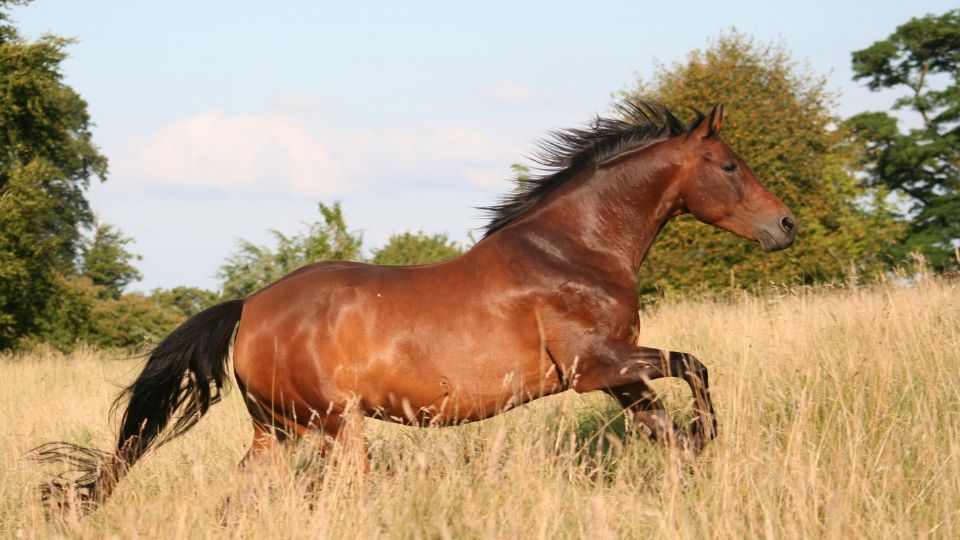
column 565, row 152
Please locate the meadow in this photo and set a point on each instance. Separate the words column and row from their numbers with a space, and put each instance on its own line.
column 839, row 413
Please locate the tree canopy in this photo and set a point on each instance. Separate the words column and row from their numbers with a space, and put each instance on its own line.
column 923, row 163
column 779, row 121
column 107, row 262
column 60, row 284
column 47, row 159
column 416, row 248
column 253, row 267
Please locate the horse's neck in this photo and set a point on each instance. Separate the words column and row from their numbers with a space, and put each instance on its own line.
column 632, row 204
column 612, row 214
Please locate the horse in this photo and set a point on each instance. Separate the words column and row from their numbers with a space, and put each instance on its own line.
column 545, row 302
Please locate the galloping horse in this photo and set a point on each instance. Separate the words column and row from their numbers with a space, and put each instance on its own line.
column 545, row 302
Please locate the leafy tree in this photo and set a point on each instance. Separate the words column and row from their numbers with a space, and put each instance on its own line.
column 47, row 159
column 29, row 253
column 130, row 321
column 779, row 121
column 184, row 301
column 107, row 262
column 67, row 319
column 416, row 248
column 923, row 163
column 84, row 312
column 253, row 267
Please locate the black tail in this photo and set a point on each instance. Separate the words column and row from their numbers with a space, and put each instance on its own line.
column 183, row 376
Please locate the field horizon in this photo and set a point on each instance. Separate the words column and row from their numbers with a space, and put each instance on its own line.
column 838, row 408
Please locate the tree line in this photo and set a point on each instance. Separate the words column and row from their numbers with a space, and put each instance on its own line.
column 867, row 190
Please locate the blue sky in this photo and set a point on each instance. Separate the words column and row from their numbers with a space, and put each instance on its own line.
column 222, row 120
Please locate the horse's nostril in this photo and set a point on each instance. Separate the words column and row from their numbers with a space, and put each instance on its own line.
column 787, row 224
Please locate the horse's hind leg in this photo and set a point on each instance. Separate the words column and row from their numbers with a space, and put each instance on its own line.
column 265, row 442
column 647, row 410
column 345, row 438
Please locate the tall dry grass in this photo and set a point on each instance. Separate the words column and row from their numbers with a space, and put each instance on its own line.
column 839, row 417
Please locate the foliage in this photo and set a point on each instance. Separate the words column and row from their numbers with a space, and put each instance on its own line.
column 184, row 301
column 253, row 267
column 86, row 313
column 107, row 262
column 68, row 318
column 47, row 159
column 521, row 173
column 922, row 163
column 130, row 321
column 416, row 248
column 46, row 121
column 29, row 252
column 778, row 120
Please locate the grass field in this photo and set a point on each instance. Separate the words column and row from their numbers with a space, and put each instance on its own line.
column 839, row 416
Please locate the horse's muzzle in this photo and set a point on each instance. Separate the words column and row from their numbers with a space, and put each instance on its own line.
column 775, row 239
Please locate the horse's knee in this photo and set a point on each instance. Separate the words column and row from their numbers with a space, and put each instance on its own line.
column 688, row 366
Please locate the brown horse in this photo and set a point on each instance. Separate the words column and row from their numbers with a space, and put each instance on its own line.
column 545, row 302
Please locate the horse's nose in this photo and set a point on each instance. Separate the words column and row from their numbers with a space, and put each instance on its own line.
column 787, row 224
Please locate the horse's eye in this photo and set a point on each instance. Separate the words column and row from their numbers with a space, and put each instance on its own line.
column 730, row 167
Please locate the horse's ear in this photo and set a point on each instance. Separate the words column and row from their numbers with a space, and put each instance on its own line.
column 701, row 125
column 709, row 125
column 715, row 120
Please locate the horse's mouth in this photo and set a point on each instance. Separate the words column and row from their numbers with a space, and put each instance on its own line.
column 769, row 242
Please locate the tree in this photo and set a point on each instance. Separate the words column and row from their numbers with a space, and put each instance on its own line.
column 47, row 159
column 253, row 267
column 184, row 301
column 779, row 121
column 416, row 248
column 130, row 321
column 29, row 253
column 107, row 262
column 923, row 163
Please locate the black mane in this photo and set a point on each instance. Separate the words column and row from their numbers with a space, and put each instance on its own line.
column 567, row 151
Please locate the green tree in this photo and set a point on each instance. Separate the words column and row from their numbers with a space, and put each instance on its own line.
column 130, row 321
column 67, row 319
column 779, row 121
column 184, row 301
column 83, row 312
column 107, row 262
column 923, row 163
column 416, row 248
column 253, row 267
column 29, row 254
column 47, row 159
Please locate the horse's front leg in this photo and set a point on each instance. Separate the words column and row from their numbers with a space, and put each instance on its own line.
column 621, row 365
column 646, row 409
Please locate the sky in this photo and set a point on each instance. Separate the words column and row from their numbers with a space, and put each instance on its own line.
column 223, row 120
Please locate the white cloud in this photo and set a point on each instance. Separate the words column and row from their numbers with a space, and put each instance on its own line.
column 235, row 152
column 295, row 149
